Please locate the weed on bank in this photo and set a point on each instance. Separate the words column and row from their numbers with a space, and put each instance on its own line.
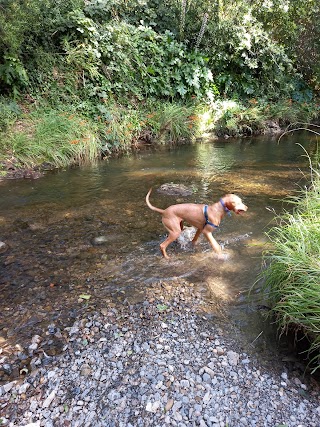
column 292, row 276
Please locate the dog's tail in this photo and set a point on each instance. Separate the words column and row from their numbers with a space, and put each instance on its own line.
column 150, row 205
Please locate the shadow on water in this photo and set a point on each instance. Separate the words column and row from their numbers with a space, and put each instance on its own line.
column 87, row 231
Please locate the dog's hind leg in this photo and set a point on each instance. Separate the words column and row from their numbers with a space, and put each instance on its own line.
column 171, row 238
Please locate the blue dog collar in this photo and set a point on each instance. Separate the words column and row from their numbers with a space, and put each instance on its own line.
column 225, row 207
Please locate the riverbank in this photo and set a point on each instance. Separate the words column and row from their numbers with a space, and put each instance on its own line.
column 37, row 138
column 163, row 361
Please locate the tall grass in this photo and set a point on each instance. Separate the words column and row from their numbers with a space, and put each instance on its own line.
column 174, row 122
column 292, row 276
column 64, row 137
column 153, row 122
column 61, row 139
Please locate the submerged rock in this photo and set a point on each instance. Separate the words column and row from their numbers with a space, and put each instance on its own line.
column 175, row 189
column 103, row 240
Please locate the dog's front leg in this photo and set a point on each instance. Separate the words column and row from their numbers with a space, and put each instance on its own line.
column 214, row 244
column 196, row 236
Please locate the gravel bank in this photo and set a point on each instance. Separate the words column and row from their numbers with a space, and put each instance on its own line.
column 161, row 362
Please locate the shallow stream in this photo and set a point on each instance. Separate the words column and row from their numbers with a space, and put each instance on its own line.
column 83, row 239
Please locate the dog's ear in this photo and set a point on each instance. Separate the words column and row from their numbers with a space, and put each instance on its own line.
column 229, row 201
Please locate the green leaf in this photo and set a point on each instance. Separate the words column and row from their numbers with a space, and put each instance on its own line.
column 151, row 70
column 182, row 90
column 162, row 307
column 85, row 296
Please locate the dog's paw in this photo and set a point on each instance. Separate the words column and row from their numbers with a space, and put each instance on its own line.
column 222, row 256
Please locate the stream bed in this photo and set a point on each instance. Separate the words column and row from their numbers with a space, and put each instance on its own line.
column 83, row 238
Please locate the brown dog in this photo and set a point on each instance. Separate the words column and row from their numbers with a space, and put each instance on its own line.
column 205, row 218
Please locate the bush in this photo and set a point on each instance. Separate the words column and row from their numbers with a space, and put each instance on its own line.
column 236, row 118
column 245, row 61
column 28, row 29
column 138, row 62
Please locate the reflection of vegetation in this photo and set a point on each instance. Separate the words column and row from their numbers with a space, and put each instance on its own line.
column 292, row 278
column 211, row 161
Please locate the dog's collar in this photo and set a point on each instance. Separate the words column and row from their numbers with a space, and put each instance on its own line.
column 225, row 207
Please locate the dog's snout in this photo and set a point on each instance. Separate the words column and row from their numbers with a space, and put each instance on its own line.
column 241, row 207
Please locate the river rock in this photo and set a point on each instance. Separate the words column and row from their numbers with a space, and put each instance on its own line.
column 100, row 240
column 233, row 358
column 103, row 240
column 3, row 247
column 272, row 127
column 49, row 399
column 175, row 190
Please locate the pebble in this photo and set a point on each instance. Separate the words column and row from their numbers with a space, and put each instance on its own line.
column 3, row 247
column 150, row 368
column 49, row 399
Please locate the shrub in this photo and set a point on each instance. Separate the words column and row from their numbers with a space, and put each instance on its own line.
column 136, row 61
column 235, row 118
column 245, row 61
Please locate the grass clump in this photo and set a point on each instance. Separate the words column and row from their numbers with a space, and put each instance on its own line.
column 60, row 139
column 174, row 122
column 292, row 276
column 121, row 128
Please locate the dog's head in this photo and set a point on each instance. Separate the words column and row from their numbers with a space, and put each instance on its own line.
column 234, row 203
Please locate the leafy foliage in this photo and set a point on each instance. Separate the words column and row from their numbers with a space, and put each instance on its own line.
column 174, row 49
column 136, row 61
column 295, row 25
column 9, row 112
column 27, row 31
column 245, row 61
column 237, row 118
